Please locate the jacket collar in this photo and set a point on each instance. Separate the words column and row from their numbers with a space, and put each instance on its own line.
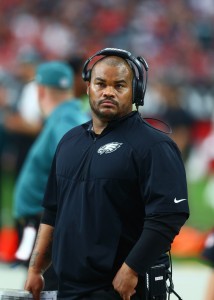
column 112, row 124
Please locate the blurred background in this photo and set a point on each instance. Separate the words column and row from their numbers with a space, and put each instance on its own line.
column 177, row 40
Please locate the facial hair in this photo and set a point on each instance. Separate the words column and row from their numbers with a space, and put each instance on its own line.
column 104, row 115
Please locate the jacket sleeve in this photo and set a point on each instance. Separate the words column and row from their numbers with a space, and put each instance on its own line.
column 48, row 217
column 164, row 192
column 155, row 240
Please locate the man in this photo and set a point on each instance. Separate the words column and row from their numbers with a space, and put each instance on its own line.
column 116, row 195
column 62, row 112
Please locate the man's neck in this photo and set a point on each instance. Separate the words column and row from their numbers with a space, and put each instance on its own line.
column 98, row 128
column 98, row 125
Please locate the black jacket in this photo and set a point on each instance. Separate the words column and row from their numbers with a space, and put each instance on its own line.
column 121, row 196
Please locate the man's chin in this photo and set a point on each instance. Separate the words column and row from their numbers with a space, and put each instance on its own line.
column 108, row 116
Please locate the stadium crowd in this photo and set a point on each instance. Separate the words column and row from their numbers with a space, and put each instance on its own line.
column 175, row 37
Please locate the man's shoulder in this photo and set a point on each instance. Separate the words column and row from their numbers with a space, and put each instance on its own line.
column 143, row 136
column 145, row 132
column 154, row 134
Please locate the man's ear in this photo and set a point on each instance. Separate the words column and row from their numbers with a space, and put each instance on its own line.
column 88, row 88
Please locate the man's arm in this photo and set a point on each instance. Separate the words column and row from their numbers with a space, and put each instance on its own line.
column 156, row 239
column 40, row 260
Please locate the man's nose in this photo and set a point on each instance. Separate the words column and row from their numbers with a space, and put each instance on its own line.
column 109, row 91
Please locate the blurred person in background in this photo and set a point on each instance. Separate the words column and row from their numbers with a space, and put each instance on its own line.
column 25, row 122
column 171, row 111
column 76, row 63
column 62, row 112
column 21, row 121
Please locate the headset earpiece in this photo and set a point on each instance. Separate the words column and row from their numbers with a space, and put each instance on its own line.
column 87, row 75
column 139, row 82
column 134, row 89
column 138, row 92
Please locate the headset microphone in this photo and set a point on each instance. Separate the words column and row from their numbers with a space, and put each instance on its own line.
column 139, row 83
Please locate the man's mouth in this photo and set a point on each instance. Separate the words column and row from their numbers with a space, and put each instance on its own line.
column 108, row 102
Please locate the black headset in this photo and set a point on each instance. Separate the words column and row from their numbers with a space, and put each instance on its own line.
column 139, row 82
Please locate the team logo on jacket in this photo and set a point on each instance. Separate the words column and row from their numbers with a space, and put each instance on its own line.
column 108, row 148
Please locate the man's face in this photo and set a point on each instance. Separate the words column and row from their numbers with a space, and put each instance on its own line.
column 110, row 89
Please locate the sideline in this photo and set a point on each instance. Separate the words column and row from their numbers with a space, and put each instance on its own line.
column 189, row 279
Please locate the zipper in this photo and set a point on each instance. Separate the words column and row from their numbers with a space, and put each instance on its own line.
column 88, row 158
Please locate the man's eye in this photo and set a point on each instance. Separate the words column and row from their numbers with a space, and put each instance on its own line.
column 101, row 84
column 119, row 86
